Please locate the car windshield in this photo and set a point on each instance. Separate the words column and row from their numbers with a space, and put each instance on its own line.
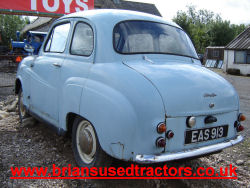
column 136, row 37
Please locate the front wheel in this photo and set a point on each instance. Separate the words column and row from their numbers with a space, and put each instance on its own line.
column 86, row 147
column 21, row 108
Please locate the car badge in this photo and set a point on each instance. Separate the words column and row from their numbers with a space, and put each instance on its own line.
column 209, row 95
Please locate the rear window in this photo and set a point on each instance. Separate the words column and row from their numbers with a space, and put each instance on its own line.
column 135, row 37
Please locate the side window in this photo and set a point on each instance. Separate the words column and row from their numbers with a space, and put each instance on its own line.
column 58, row 38
column 240, row 56
column 216, row 53
column 83, row 40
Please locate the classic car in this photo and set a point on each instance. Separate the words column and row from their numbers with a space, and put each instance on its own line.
column 130, row 86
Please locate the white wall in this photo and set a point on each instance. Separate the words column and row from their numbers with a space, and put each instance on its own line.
column 224, row 66
column 229, row 63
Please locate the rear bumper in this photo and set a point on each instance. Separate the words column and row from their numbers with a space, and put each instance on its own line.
column 189, row 153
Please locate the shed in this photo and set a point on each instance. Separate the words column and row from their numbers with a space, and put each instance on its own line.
column 237, row 54
column 214, row 56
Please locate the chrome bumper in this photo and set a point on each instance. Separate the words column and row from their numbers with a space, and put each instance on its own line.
column 188, row 153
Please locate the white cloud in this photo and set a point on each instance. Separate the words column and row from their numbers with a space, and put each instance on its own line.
column 236, row 11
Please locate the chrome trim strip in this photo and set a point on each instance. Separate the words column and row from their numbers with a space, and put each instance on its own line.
column 189, row 153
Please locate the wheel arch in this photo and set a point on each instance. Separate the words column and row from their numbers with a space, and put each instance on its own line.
column 70, row 118
column 70, row 122
column 18, row 85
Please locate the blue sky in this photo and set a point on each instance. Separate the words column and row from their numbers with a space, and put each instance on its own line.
column 236, row 11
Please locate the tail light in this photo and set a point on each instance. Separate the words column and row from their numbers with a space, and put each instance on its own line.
column 161, row 128
column 241, row 117
column 170, row 134
column 191, row 121
column 160, row 142
column 240, row 128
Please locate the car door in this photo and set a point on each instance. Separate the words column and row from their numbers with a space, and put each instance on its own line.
column 45, row 76
column 76, row 67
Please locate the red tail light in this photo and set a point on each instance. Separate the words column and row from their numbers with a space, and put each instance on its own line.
column 170, row 134
column 240, row 128
column 160, row 142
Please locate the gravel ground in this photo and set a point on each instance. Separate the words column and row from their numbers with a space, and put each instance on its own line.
column 34, row 144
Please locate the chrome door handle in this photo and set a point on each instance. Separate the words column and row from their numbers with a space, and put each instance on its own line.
column 57, row 64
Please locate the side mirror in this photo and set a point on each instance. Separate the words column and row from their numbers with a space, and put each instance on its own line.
column 201, row 57
column 29, row 48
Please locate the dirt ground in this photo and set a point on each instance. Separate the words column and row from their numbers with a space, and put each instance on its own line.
column 34, row 144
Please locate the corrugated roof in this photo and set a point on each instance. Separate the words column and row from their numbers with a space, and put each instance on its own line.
column 216, row 47
column 241, row 42
column 104, row 4
column 39, row 22
column 138, row 6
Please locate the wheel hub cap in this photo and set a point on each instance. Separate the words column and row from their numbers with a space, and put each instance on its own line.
column 86, row 141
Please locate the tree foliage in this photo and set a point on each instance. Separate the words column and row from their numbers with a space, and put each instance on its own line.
column 207, row 28
column 9, row 24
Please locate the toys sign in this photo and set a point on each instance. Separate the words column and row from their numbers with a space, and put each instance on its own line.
column 45, row 7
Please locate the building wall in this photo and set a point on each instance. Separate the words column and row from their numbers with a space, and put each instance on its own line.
column 229, row 63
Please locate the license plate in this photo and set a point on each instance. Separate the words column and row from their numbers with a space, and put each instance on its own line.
column 201, row 135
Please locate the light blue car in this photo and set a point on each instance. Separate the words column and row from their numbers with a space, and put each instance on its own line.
column 130, row 86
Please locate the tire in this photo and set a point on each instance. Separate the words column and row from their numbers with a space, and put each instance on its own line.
column 86, row 147
column 22, row 111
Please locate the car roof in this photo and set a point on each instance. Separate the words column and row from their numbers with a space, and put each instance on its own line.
column 104, row 21
column 114, row 16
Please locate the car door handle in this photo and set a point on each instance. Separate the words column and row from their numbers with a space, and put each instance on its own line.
column 57, row 64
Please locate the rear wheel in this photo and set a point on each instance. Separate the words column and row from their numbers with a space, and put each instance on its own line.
column 86, row 147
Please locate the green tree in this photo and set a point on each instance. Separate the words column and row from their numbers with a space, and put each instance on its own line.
column 196, row 24
column 207, row 28
column 221, row 33
column 238, row 28
column 183, row 20
column 9, row 24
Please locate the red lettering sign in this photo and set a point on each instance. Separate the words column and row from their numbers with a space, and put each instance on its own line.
column 43, row 7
